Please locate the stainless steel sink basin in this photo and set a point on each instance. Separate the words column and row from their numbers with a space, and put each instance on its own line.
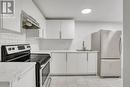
column 83, row 50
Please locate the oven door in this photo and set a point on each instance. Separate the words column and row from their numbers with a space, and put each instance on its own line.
column 44, row 73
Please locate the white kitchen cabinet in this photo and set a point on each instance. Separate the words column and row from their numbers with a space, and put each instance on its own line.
column 26, row 79
column 22, row 77
column 92, row 62
column 77, row 63
column 60, row 29
column 12, row 22
column 74, row 63
column 58, row 63
column 67, row 29
column 53, row 29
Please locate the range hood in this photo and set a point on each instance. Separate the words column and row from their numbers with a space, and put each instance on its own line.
column 29, row 22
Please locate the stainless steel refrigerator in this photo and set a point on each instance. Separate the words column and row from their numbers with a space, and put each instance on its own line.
column 108, row 43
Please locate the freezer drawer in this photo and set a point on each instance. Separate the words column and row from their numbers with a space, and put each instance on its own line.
column 110, row 68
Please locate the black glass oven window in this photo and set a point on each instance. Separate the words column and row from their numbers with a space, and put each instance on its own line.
column 45, row 72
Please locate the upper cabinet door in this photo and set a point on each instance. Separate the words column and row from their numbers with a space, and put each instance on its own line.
column 67, row 29
column 53, row 29
column 12, row 21
column 60, row 29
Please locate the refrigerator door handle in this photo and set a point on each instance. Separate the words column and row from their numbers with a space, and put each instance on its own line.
column 120, row 46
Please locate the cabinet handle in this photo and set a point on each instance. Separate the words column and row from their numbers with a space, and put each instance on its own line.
column 66, row 57
column 120, row 46
column 87, row 56
column 19, row 78
column 60, row 34
column 66, row 62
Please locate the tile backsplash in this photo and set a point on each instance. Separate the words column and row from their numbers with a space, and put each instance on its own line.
column 55, row 44
column 11, row 38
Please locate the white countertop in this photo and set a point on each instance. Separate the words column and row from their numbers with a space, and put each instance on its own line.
column 49, row 51
column 41, row 51
column 9, row 71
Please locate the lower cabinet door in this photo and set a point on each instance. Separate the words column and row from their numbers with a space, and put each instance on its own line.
column 58, row 63
column 26, row 80
column 92, row 63
column 76, row 63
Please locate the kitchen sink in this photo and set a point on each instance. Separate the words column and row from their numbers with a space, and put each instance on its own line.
column 83, row 50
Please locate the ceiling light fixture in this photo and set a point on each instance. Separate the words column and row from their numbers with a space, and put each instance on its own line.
column 86, row 11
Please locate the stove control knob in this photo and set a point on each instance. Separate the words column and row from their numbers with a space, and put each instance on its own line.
column 13, row 48
column 28, row 46
column 9, row 49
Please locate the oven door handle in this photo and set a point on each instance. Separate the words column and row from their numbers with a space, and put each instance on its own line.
column 42, row 66
column 49, row 82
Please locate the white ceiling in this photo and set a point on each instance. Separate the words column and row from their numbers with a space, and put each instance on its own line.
column 102, row 10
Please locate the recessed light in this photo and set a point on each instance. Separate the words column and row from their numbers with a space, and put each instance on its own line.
column 86, row 11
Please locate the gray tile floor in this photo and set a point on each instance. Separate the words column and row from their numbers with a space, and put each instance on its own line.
column 85, row 81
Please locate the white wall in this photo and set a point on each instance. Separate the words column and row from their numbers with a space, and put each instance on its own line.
column 83, row 32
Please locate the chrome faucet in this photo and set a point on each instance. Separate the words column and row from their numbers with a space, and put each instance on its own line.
column 83, row 45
